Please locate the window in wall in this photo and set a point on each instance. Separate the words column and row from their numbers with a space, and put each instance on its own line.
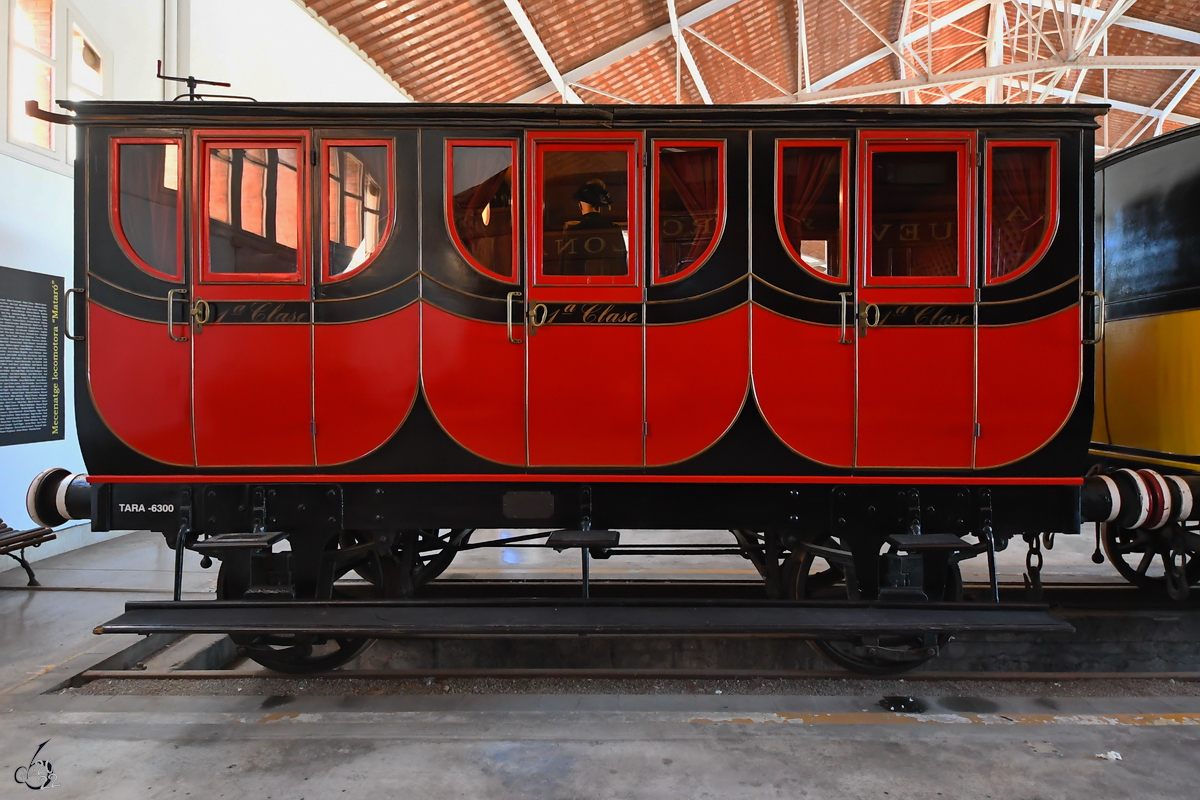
column 585, row 197
column 917, row 201
column 1022, row 205
column 254, row 202
column 811, row 205
column 32, row 61
column 358, row 205
column 690, row 205
column 148, row 211
column 480, row 208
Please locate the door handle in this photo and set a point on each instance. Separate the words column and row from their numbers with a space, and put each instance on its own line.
column 171, row 314
column 67, row 316
column 534, row 321
column 1098, row 334
column 845, row 296
column 508, row 308
column 864, row 317
column 201, row 313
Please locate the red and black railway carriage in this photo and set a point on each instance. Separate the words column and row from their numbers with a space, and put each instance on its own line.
column 372, row 329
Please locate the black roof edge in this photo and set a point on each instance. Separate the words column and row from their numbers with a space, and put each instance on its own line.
column 1152, row 143
column 525, row 115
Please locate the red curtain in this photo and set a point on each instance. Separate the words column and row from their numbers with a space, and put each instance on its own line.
column 695, row 174
column 148, row 209
column 1020, row 206
column 807, row 173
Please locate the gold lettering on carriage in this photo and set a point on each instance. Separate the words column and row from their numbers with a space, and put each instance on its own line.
column 593, row 314
column 271, row 312
column 927, row 316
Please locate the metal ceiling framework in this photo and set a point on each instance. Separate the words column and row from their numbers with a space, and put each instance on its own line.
column 1142, row 56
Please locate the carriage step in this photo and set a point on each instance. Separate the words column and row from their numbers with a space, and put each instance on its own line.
column 214, row 545
column 400, row 619
column 913, row 543
column 562, row 540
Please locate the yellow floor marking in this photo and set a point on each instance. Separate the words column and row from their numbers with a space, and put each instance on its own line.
column 953, row 718
column 43, row 671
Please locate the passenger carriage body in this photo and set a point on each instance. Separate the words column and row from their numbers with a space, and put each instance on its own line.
column 794, row 322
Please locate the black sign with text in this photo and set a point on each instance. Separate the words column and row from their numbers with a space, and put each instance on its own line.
column 32, row 310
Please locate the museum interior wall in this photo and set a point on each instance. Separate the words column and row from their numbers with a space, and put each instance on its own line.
column 272, row 50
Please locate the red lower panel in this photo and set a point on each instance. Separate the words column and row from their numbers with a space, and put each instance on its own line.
column 364, row 382
column 253, row 395
column 140, row 381
column 696, row 379
column 585, row 396
column 915, row 397
column 474, row 379
column 1028, row 384
column 804, row 384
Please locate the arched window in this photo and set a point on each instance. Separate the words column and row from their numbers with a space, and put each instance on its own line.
column 812, row 183
column 147, row 213
column 689, row 205
column 357, row 217
column 480, row 207
column 1022, row 206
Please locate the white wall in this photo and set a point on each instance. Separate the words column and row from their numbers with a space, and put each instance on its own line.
column 269, row 49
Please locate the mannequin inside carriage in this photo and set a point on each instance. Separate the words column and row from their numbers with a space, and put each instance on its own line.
column 593, row 244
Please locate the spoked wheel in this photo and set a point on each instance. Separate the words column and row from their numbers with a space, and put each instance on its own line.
column 293, row 653
column 809, row 576
column 1156, row 560
column 414, row 558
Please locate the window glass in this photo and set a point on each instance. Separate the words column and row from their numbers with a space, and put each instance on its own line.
column 914, row 214
column 585, row 212
column 481, row 205
column 810, row 212
column 1020, row 210
column 358, row 197
column 689, row 198
column 253, row 205
column 85, row 63
column 148, row 204
column 33, row 25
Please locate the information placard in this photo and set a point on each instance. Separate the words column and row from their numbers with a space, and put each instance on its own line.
column 31, row 350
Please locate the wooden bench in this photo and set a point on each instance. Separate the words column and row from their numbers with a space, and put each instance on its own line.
column 13, row 544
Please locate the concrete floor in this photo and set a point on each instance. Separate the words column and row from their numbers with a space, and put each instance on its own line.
column 539, row 745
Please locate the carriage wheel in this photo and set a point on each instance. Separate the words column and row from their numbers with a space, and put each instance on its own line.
column 433, row 551
column 1164, row 559
column 807, row 576
column 293, row 653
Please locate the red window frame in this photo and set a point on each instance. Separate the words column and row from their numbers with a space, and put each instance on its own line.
column 1051, row 200
column 960, row 142
column 586, row 141
column 844, row 244
column 205, row 141
column 114, row 209
column 448, row 190
column 719, row 228
column 392, row 193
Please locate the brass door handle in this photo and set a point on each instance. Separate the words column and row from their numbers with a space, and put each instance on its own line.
column 171, row 314
column 509, row 316
column 845, row 297
column 67, row 316
column 534, row 321
column 1098, row 335
column 864, row 317
column 201, row 313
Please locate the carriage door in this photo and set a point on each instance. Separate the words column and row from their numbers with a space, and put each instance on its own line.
column 915, row 311
column 250, row 302
column 584, row 341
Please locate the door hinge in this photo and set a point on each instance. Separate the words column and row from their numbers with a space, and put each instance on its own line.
column 314, row 429
column 645, row 159
column 313, row 157
column 645, row 429
column 978, row 430
column 978, row 159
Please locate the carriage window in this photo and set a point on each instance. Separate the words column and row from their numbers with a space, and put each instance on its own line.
column 147, row 205
column 811, row 206
column 690, row 184
column 915, row 215
column 253, row 210
column 357, row 206
column 585, row 213
column 1022, row 207
column 480, row 204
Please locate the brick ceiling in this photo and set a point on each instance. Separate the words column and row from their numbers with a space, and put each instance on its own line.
column 743, row 51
